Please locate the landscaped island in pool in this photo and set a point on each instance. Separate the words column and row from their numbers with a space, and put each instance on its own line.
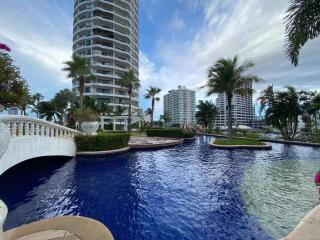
column 190, row 191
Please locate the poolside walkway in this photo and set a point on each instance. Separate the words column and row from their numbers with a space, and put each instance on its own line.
column 153, row 142
column 61, row 228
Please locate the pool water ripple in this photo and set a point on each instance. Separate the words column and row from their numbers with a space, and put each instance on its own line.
column 186, row 192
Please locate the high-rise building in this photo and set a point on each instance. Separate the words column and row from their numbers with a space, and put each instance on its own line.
column 105, row 32
column 242, row 108
column 180, row 106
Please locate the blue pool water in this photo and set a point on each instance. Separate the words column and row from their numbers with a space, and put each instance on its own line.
column 186, row 192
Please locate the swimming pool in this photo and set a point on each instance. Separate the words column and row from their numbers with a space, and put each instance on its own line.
column 187, row 192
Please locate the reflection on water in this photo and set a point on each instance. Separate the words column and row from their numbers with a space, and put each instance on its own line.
column 190, row 191
column 280, row 193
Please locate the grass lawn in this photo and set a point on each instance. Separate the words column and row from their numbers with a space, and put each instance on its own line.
column 238, row 142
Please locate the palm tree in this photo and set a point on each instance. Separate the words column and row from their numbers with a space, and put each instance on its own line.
column 206, row 114
column 302, row 24
column 227, row 76
column 119, row 111
column 48, row 110
column 62, row 101
column 36, row 99
column 131, row 83
column 151, row 94
column 77, row 69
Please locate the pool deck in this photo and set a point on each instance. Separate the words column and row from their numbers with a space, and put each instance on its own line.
column 61, row 228
column 153, row 142
column 139, row 143
column 308, row 228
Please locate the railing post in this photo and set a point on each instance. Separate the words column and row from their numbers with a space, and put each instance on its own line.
column 32, row 129
column 20, row 129
column 3, row 216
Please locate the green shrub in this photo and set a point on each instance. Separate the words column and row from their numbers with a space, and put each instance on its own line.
column 238, row 142
column 254, row 135
column 102, row 141
column 188, row 134
column 170, row 133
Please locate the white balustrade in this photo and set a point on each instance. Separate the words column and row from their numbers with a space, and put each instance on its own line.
column 22, row 126
column 23, row 138
column 3, row 216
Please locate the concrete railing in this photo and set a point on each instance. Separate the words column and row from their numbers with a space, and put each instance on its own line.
column 28, row 126
column 23, row 138
column 3, row 215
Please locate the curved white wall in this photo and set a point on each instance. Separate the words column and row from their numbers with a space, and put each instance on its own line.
column 23, row 138
column 24, row 148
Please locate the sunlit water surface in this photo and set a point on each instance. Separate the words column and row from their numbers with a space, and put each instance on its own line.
column 187, row 192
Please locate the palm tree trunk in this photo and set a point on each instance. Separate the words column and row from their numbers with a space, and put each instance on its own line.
column 152, row 109
column 81, row 91
column 129, row 111
column 229, row 98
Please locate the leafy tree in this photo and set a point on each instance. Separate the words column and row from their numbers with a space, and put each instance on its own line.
column 12, row 85
column 206, row 114
column 227, row 76
column 77, row 69
column 130, row 82
column 48, row 110
column 302, row 24
column 282, row 110
column 152, row 93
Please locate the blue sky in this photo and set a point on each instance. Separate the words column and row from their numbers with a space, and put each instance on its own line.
column 179, row 40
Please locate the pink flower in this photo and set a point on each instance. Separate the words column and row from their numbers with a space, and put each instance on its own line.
column 317, row 179
column 4, row 47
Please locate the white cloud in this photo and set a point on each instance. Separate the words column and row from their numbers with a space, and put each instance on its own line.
column 177, row 22
column 252, row 29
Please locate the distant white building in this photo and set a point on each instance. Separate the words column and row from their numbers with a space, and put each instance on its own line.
column 242, row 109
column 180, row 106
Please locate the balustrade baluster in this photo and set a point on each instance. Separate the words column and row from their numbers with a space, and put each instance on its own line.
column 20, row 131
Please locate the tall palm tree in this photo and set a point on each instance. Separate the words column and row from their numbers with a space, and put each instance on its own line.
column 131, row 83
column 302, row 24
column 77, row 69
column 152, row 93
column 227, row 76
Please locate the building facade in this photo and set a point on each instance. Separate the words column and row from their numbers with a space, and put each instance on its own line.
column 242, row 108
column 180, row 106
column 106, row 34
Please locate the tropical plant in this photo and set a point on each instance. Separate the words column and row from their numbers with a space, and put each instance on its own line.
column 206, row 114
column 152, row 93
column 302, row 24
column 25, row 99
column 35, row 101
column 48, row 110
column 131, row 83
column 62, row 101
column 85, row 115
column 165, row 117
column 12, row 85
column 77, row 69
column 119, row 111
column 282, row 110
column 96, row 105
column 228, row 76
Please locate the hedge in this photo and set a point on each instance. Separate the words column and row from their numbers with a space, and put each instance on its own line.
column 170, row 133
column 102, row 142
